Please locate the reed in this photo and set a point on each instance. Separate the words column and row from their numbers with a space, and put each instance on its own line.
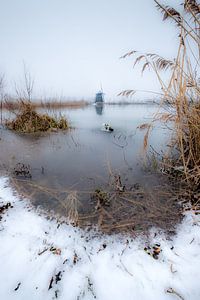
column 181, row 92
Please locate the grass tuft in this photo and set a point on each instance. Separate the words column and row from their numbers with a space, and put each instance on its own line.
column 28, row 120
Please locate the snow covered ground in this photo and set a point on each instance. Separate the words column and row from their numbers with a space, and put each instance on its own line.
column 41, row 260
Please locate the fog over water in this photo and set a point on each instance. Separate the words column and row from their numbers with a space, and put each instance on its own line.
column 72, row 46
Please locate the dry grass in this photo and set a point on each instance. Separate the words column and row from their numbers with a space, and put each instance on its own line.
column 71, row 207
column 181, row 92
column 111, row 210
column 27, row 120
column 13, row 105
column 63, row 104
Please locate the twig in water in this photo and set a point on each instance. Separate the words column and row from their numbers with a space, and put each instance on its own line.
column 172, row 291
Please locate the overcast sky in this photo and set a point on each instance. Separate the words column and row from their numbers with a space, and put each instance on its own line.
column 71, row 46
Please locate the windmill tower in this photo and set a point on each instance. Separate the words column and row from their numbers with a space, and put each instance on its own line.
column 99, row 98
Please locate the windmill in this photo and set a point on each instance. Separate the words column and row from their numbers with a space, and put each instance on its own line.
column 99, row 98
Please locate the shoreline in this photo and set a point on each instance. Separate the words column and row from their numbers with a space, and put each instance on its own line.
column 51, row 261
column 15, row 105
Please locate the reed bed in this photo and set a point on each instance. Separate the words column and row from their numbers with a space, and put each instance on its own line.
column 28, row 120
column 180, row 94
column 13, row 105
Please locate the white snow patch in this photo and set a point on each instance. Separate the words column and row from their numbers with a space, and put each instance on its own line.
column 87, row 269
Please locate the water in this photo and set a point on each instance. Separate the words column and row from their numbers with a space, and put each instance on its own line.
column 71, row 157
column 84, row 157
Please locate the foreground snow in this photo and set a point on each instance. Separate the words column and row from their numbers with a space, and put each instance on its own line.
column 41, row 260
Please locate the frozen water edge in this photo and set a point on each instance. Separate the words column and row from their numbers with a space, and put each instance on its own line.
column 87, row 269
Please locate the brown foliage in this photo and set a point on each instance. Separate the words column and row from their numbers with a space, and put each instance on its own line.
column 182, row 91
column 28, row 120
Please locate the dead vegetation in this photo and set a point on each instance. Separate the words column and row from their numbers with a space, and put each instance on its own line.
column 22, row 170
column 4, row 208
column 180, row 94
column 111, row 208
column 13, row 104
column 53, row 104
column 28, row 120
column 71, row 206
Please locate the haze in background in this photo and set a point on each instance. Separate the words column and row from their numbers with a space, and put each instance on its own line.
column 73, row 46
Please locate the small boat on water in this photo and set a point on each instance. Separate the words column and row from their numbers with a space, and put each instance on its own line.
column 106, row 127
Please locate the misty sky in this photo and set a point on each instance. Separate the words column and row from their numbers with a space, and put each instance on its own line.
column 71, row 46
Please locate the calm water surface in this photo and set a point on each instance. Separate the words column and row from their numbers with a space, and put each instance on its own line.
column 81, row 159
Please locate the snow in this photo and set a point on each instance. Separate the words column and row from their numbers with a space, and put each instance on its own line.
column 84, row 265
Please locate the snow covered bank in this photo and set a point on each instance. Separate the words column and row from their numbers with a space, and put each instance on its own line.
column 41, row 260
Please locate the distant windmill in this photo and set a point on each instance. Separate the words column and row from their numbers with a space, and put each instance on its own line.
column 99, row 98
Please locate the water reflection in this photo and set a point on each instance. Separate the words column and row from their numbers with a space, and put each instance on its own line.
column 99, row 109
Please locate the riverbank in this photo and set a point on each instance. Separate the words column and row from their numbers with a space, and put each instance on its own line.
column 43, row 259
column 11, row 105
